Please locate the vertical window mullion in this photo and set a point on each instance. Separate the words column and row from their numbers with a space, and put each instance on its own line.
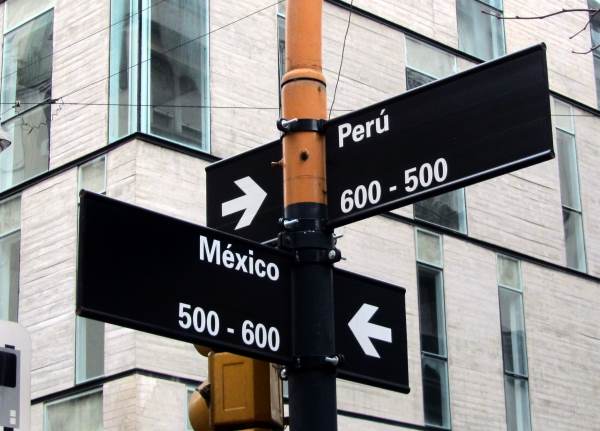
column 570, row 192
column 432, row 324
column 10, row 254
column 89, row 334
column 514, row 344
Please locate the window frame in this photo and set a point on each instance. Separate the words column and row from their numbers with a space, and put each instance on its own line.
column 503, row 37
column 92, row 391
column 426, row 354
column 564, row 207
column 140, row 80
column 80, row 332
column 506, row 373
column 7, row 234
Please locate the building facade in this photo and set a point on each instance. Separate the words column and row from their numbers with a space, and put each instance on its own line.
column 134, row 98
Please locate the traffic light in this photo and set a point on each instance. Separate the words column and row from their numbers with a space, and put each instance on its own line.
column 243, row 393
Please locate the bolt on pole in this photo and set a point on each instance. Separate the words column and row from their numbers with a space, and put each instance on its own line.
column 312, row 379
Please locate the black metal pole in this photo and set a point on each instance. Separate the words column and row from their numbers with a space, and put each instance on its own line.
column 312, row 380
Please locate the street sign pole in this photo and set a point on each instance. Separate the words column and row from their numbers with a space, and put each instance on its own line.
column 312, row 378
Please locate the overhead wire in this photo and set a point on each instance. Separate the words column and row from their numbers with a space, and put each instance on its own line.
column 341, row 59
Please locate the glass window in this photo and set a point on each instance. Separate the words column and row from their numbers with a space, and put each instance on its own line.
column 429, row 60
column 10, row 252
column 19, row 12
column 432, row 324
column 82, row 412
column 173, row 63
column 563, row 117
column 509, row 274
column 424, row 65
column 569, row 186
column 26, row 86
column 517, row 404
column 513, row 332
column 595, row 31
column 89, row 355
column 567, row 168
column 480, row 34
column 574, row 241
column 431, row 310
column 429, row 248
column 281, row 39
column 89, row 336
column 436, row 399
column 447, row 209
column 514, row 345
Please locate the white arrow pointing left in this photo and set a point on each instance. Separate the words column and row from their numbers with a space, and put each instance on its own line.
column 364, row 330
column 250, row 202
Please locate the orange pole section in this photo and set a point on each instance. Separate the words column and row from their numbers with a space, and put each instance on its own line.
column 304, row 96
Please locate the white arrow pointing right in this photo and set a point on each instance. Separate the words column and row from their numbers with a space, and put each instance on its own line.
column 364, row 330
column 250, row 202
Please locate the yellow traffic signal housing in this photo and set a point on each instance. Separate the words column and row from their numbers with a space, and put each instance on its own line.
column 245, row 393
column 198, row 411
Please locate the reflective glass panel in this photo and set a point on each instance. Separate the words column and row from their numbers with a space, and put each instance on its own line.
column 429, row 248
column 124, row 35
column 509, row 273
column 415, row 79
column 567, row 169
column 431, row 310
column 177, row 76
column 436, row 399
column 27, row 65
column 517, row 404
column 512, row 324
column 90, row 349
column 429, row 60
column 92, row 175
column 479, row 34
column 597, row 69
column 10, row 215
column 10, row 251
column 447, row 209
column 27, row 156
column 281, row 44
column 575, row 245
column 75, row 414
column 563, row 116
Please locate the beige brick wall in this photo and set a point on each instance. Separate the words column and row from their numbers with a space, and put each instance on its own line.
column 77, row 130
column 243, row 61
column 561, row 319
column 473, row 330
column 384, row 249
column 587, row 131
column 47, row 280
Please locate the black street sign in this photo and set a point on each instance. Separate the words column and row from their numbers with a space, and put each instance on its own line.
column 370, row 331
column 147, row 271
column 244, row 193
column 478, row 124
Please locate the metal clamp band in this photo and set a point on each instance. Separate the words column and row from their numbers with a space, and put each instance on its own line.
column 301, row 125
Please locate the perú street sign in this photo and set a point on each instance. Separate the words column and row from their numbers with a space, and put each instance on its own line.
column 147, row 271
column 478, row 124
column 370, row 331
column 244, row 193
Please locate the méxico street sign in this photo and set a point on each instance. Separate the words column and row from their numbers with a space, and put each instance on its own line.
column 478, row 124
column 370, row 331
column 147, row 271
column 244, row 193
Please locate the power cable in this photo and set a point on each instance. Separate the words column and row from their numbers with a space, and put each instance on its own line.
column 341, row 59
column 39, row 60
column 173, row 48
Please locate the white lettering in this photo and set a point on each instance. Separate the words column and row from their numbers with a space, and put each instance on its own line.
column 344, row 131
column 212, row 253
